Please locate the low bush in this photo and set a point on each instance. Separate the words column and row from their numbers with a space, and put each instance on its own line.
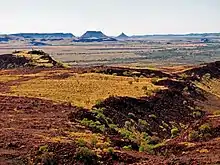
column 174, row 132
column 81, row 142
column 94, row 125
column 86, row 156
column 111, row 150
column 129, row 147
column 197, row 114
column 94, row 141
column 193, row 135
column 43, row 148
column 205, row 128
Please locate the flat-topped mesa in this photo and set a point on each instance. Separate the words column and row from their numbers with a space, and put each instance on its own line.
column 44, row 35
column 94, row 36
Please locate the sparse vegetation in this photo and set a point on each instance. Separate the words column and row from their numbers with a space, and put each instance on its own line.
column 205, row 128
column 93, row 118
column 127, row 147
column 86, row 156
column 197, row 114
column 174, row 132
column 193, row 135
column 82, row 90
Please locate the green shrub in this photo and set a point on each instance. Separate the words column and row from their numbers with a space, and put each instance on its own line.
column 113, row 126
column 43, row 148
column 129, row 147
column 184, row 76
column 194, row 135
column 81, row 142
column 153, row 116
column 92, row 124
column 141, row 149
column 126, row 133
column 143, row 125
column 85, row 155
column 174, row 132
column 145, row 136
column 98, row 102
column 145, row 147
column 205, row 128
column 46, row 158
column 128, row 125
column 197, row 114
column 111, row 150
column 114, row 74
column 94, row 141
column 165, row 124
column 101, row 128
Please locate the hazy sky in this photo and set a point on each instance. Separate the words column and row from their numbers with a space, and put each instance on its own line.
column 110, row 16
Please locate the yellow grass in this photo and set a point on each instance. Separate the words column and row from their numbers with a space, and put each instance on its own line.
column 7, row 78
column 83, row 89
column 212, row 86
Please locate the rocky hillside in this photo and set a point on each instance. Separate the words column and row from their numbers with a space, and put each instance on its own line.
column 34, row 58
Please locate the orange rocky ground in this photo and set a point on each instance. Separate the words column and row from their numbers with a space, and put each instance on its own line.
column 27, row 123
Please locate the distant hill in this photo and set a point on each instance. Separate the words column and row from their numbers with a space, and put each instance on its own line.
column 7, row 38
column 4, row 39
column 94, row 36
column 44, row 35
column 122, row 36
column 179, row 35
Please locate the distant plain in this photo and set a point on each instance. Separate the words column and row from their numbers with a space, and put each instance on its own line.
column 136, row 53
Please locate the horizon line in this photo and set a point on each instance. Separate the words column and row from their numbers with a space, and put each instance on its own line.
column 145, row 34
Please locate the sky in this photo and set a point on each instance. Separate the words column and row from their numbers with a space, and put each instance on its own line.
column 133, row 17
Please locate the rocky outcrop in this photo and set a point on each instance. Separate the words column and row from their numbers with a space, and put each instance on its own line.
column 34, row 58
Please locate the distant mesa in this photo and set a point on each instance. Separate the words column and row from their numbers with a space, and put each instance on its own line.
column 4, row 39
column 44, row 35
column 94, row 36
column 122, row 36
